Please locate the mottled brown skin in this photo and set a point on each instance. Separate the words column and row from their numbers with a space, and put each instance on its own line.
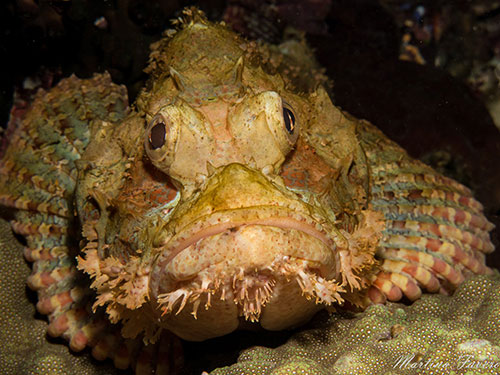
column 224, row 197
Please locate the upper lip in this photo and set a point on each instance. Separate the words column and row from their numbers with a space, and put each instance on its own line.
column 221, row 221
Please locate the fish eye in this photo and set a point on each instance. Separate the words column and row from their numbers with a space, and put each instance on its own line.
column 289, row 118
column 160, row 138
column 157, row 134
column 290, row 123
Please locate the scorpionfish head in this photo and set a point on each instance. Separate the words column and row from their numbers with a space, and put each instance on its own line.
column 207, row 209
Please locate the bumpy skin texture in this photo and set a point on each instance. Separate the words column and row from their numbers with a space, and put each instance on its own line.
column 436, row 335
column 25, row 349
column 224, row 198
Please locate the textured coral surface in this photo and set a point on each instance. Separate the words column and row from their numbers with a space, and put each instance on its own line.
column 25, row 349
column 435, row 335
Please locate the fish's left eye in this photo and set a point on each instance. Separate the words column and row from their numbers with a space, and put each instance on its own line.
column 290, row 123
column 289, row 118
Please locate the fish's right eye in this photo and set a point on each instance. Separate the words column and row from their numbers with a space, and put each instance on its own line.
column 157, row 134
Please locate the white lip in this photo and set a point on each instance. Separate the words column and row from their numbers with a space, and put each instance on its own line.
column 219, row 222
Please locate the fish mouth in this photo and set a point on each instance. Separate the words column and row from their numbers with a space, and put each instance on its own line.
column 220, row 222
column 241, row 255
column 236, row 219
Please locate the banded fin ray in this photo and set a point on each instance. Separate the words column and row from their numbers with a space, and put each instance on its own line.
column 436, row 232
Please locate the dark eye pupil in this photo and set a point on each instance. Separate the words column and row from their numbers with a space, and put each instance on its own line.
column 289, row 120
column 157, row 135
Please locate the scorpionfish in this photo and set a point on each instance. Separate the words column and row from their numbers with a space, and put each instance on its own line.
column 224, row 198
